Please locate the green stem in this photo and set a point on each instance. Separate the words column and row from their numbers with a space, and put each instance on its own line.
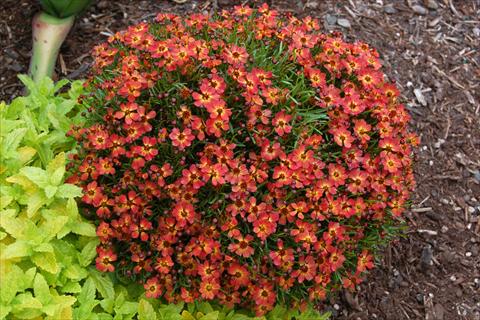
column 48, row 35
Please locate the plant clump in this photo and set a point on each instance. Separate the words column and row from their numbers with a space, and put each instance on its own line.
column 245, row 158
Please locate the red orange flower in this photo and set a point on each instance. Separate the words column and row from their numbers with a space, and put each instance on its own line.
column 243, row 157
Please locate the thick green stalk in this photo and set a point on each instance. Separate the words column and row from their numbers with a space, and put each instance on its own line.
column 48, row 35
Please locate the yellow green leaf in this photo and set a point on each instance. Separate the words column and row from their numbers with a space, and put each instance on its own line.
column 5, row 201
column 9, row 282
column 25, row 301
column 46, row 261
column 26, row 183
column 88, row 253
column 17, row 249
column 36, row 175
column 146, row 311
column 210, row 316
column 41, row 289
column 187, row 315
column 56, row 177
column 35, row 202
column 75, row 272
column 25, row 154
column 12, row 225
column 68, row 191
column 83, row 228
column 57, row 163
column 44, row 247
column 50, row 191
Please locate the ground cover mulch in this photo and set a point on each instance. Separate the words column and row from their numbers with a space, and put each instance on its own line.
column 431, row 50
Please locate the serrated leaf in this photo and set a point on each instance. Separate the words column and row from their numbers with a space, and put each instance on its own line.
column 103, row 283
column 23, row 181
column 205, row 307
column 88, row 253
column 64, row 304
column 13, row 226
column 57, row 163
column 83, row 228
column 25, row 154
column 88, row 292
column 17, row 249
column 44, row 247
column 75, row 272
column 10, row 284
column 72, row 208
column 71, row 287
column 68, row 191
column 56, row 178
column 210, row 316
column 50, row 191
column 119, row 301
column 4, row 311
column 26, row 280
column 12, row 141
column 127, row 308
column 46, row 261
column 104, row 316
column 146, row 311
column 107, row 304
column 53, row 224
column 25, row 301
column 36, row 175
column 35, row 202
column 41, row 289
column 5, row 200
column 27, row 81
column 187, row 315
column 170, row 311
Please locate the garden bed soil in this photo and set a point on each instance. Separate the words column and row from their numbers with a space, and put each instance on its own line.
column 431, row 50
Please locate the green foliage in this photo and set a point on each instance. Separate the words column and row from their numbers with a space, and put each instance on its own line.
column 42, row 251
column 46, row 247
column 64, row 8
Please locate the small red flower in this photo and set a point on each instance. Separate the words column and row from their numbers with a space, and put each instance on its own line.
column 209, row 288
column 153, row 289
column 181, row 139
column 104, row 260
column 281, row 123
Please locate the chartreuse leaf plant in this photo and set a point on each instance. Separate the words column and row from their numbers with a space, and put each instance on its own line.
column 50, row 27
column 46, row 247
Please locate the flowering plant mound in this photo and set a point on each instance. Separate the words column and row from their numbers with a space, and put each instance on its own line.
column 245, row 158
